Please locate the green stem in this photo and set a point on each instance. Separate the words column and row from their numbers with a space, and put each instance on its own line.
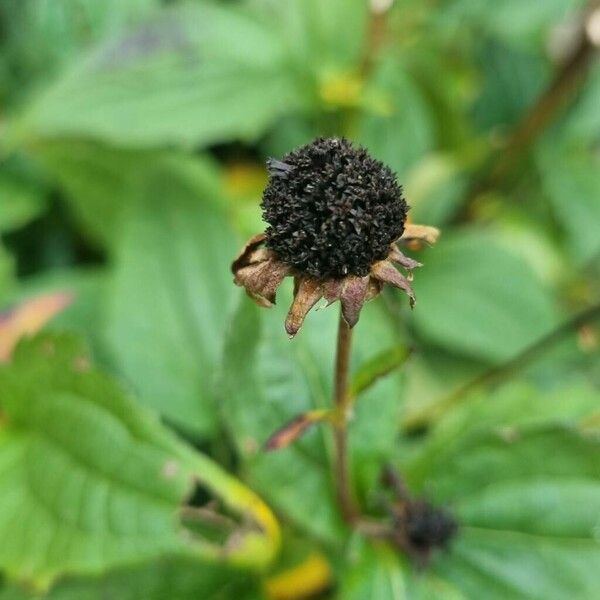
column 505, row 370
column 342, row 402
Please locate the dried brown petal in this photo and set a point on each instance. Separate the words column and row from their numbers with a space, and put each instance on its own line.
column 353, row 297
column 386, row 272
column 332, row 290
column 375, row 287
column 404, row 261
column 247, row 255
column 421, row 234
column 308, row 292
column 261, row 280
column 295, row 428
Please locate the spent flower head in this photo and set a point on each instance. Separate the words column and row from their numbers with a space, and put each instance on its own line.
column 335, row 217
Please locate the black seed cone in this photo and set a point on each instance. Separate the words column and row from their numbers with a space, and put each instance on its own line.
column 332, row 210
column 427, row 526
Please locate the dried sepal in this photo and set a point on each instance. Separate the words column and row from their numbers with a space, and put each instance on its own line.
column 307, row 293
column 385, row 272
column 249, row 255
column 261, row 280
column 352, row 298
column 416, row 236
column 404, row 261
column 295, row 428
column 332, row 290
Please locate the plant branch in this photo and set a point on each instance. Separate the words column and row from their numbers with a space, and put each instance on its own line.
column 563, row 89
column 505, row 370
column 341, row 399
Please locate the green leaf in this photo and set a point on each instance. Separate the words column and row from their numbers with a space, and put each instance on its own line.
column 175, row 579
column 82, row 482
column 572, row 186
column 406, row 118
column 508, row 413
column 89, row 481
column 516, row 479
column 517, row 22
column 193, row 75
column 100, row 182
column 379, row 366
column 19, row 203
column 312, row 31
column 264, row 385
column 172, row 293
column 373, row 572
column 475, row 297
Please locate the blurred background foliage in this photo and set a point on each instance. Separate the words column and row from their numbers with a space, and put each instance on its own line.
column 133, row 136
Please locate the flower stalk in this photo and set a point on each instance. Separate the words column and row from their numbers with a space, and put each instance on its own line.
column 343, row 408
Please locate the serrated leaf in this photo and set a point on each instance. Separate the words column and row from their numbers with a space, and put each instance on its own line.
column 90, row 481
column 171, row 295
column 192, row 75
column 474, row 296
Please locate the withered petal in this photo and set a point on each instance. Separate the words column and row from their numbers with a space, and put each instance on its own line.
column 386, row 272
column 261, row 280
column 353, row 297
column 308, row 292
column 404, row 261
column 420, row 234
column 332, row 290
column 375, row 287
column 245, row 257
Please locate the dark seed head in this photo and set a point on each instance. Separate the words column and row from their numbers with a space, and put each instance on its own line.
column 331, row 209
column 428, row 527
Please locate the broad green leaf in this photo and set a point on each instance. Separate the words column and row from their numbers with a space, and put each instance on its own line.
column 373, row 572
column 508, row 413
column 312, row 32
column 516, row 480
column 19, row 203
column 173, row 578
column 100, row 181
column 45, row 35
column 572, row 186
column 90, row 481
column 172, row 294
column 521, row 23
column 475, row 297
column 512, row 80
column 192, row 75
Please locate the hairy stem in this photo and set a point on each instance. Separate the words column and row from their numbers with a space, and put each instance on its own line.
column 341, row 401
